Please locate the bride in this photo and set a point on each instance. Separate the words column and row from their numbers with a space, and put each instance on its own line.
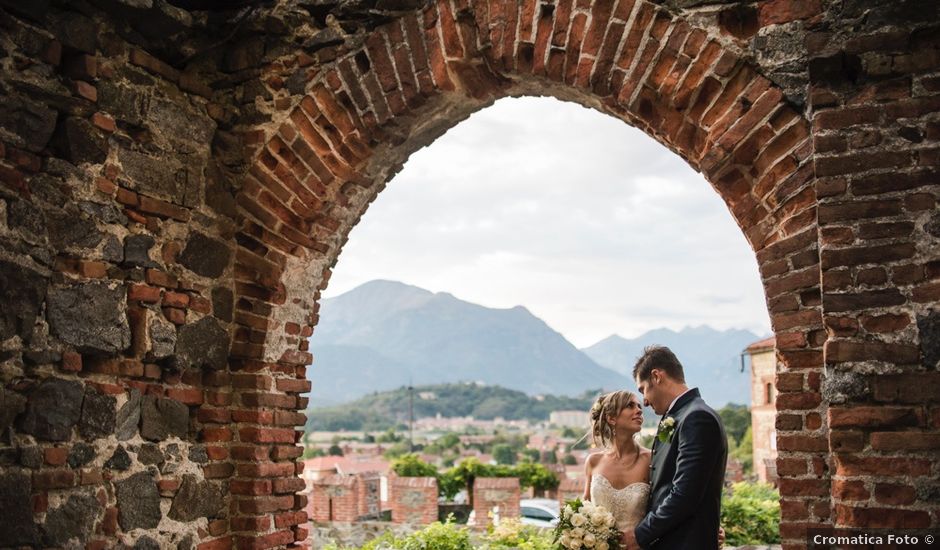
column 617, row 477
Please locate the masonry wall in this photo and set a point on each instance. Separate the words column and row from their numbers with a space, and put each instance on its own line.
column 413, row 499
column 570, row 489
column 335, row 498
column 492, row 492
column 176, row 185
column 764, row 413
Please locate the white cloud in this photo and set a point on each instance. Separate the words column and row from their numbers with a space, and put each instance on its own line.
column 586, row 221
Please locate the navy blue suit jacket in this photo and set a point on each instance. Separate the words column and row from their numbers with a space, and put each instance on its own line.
column 686, row 477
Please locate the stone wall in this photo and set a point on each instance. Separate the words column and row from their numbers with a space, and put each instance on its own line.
column 335, row 498
column 177, row 180
column 492, row 492
column 570, row 489
column 413, row 499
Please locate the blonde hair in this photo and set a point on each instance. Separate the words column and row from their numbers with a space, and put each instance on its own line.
column 608, row 406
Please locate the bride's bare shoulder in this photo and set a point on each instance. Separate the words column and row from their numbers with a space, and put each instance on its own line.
column 594, row 459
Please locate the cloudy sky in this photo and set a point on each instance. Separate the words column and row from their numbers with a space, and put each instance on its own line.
column 586, row 221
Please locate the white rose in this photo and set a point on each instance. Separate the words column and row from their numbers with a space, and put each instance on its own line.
column 598, row 518
column 609, row 520
column 602, row 545
column 589, row 540
column 564, row 540
column 588, row 507
column 578, row 519
column 577, row 533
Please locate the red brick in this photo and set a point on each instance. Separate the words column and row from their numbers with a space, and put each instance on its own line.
column 267, row 435
column 802, row 443
column 176, row 299
column 175, row 315
column 53, row 479
column 189, row 396
column 56, row 456
column 905, row 441
column 266, row 469
column 870, row 417
column 161, row 278
column 271, row 540
column 223, row 543
column 893, row 494
column 251, row 523
column 293, row 385
column 881, row 518
column 849, row 490
column 71, row 361
column 853, row 466
column 215, row 434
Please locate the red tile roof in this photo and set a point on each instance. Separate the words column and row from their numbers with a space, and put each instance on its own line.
column 766, row 343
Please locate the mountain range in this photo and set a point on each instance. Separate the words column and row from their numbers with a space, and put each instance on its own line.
column 385, row 334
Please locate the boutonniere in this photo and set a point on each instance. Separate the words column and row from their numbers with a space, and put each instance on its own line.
column 667, row 426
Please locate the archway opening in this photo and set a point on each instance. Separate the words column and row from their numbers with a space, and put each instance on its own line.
column 597, row 229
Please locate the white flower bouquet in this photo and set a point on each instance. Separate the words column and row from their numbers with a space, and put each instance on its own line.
column 586, row 526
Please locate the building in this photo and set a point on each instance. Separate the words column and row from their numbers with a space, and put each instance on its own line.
column 573, row 419
column 763, row 408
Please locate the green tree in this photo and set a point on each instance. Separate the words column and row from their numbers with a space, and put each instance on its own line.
column 569, row 460
column 335, row 450
column 410, row 465
column 736, row 419
column 313, row 452
column 504, row 454
column 536, row 476
column 548, row 457
column 532, row 455
column 744, row 450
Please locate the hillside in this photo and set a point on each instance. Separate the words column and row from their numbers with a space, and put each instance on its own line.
column 384, row 335
column 711, row 358
column 382, row 410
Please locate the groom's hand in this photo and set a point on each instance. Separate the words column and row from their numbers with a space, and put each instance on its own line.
column 629, row 541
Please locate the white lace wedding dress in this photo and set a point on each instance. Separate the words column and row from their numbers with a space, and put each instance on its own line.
column 628, row 504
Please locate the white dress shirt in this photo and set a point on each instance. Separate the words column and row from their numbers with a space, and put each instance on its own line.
column 673, row 404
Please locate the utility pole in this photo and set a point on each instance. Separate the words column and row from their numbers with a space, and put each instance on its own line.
column 411, row 418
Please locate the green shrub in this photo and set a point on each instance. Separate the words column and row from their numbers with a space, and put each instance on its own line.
column 750, row 514
column 511, row 533
column 410, row 465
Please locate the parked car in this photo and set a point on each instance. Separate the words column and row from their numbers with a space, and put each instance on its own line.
column 541, row 512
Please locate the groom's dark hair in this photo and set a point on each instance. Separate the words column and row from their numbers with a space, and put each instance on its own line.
column 658, row 357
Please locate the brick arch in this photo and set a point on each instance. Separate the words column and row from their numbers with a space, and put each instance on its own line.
column 318, row 167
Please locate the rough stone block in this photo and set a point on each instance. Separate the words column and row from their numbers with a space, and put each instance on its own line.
column 78, row 141
column 205, row 255
column 23, row 290
column 98, row 414
column 196, row 499
column 74, row 519
column 204, row 343
column 128, row 416
column 90, row 316
column 17, row 527
column 137, row 250
column 928, row 327
column 161, row 418
column 138, row 502
column 52, row 409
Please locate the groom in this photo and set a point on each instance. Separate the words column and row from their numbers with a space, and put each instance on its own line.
column 688, row 465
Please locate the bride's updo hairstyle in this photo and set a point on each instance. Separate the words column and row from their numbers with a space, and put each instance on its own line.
column 606, row 407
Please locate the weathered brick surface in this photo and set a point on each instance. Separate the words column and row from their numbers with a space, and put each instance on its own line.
column 187, row 209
